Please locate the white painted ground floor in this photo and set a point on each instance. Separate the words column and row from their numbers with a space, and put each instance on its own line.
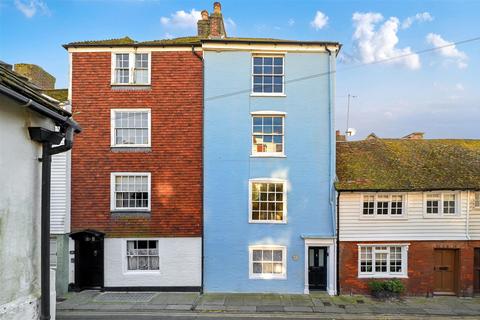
column 137, row 263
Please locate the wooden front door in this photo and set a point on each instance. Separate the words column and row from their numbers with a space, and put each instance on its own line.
column 445, row 271
column 476, row 270
column 317, row 268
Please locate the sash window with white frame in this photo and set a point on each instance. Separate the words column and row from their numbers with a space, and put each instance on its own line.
column 131, row 127
column 268, row 75
column 268, row 262
column 382, row 260
column 130, row 191
column 441, row 204
column 383, row 205
column 268, row 135
column 131, row 68
column 268, row 201
column 477, row 200
column 142, row 255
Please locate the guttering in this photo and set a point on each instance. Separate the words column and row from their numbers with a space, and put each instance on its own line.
column 203, row 171
column 61, row 120
column 408, row 189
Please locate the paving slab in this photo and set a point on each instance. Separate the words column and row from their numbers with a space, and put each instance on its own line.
column 235, row 300
column 270, row 300
column 212, row 299
column 210, row 308
column 241, row 308
column 298, row 309
column 183, row 307
column 175, row 298
column 270, row 308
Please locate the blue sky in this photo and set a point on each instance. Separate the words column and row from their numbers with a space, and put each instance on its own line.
column 436, row 92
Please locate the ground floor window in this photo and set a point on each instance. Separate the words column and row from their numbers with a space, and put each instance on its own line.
column 142, row 255
column 382, row 260
column 268, row 262
column 53, row 253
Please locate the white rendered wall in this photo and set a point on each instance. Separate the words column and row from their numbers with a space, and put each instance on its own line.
column 20, row 183
column 180, row 264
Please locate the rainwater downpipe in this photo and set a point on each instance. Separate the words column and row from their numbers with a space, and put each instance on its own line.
column 467, row 221
column 203, row 172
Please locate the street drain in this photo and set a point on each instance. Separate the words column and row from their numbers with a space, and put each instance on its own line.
column 125, row 297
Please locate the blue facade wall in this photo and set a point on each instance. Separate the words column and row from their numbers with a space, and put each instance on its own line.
column 228, row 166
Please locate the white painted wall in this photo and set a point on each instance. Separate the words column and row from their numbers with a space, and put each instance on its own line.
column 180, row 264
column 414, row 226
column 20, row 183
column 474, row 219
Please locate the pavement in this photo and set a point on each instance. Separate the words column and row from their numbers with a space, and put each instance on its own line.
column 161, row 305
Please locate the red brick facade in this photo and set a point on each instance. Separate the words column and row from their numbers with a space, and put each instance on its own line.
column 420, row 279
column 174, row 160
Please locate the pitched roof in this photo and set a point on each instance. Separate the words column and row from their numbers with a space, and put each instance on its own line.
column 413, row 165
column 19, row 84
column 184, row 41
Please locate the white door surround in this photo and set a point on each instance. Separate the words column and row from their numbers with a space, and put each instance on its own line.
column 330, row 244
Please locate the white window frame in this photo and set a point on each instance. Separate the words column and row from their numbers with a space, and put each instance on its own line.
column 285, row 194
column 476, row 199
column 131, row 66
column 125, row 257
column 384, row 216
column 268, row 154
column 268, row 94
column 256, row 276
column 440, row 208
column 112, row 128
column 388, row 274
column 113, row 207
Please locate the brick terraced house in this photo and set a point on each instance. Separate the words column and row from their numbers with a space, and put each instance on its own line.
column 136, row 211
column 410, row 209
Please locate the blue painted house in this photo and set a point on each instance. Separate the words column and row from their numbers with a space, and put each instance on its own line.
column 269, row 165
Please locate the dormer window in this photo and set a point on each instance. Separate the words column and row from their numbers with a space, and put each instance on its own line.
column 131, row 68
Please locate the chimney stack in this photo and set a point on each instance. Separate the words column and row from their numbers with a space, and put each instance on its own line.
column 212, row 26
column 340, row 137
column 414, row 136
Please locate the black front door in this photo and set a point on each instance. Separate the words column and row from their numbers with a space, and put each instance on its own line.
column 317, row 268
column 88, row 260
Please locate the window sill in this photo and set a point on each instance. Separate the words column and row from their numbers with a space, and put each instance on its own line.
column 141, row 272
column 268, row 95
column 131, row 87
column 120, row 149
column 268, row 155
column 267, row 222
column 130, row 213
column 441, row 216
column 268, row 278
column 382, row 276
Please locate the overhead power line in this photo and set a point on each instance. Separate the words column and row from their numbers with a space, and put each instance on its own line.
column 317, row 75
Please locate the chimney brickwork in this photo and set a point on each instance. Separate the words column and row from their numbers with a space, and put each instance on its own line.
column 36, row 75
column 212, row 26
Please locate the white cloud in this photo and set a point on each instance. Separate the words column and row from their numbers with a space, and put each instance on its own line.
column 231, row 26
column 319, row 21
column 419, row 17
column 448, row 50
column 373, row 45
column 30, row 7
column 459, row 87
column 182, row 19
column 290, row 22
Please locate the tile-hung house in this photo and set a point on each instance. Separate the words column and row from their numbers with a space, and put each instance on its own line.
column 410, row 209
column 137, row 171
column 268, row 164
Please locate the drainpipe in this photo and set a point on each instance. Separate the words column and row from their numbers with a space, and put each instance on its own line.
column 333, row 158
column 338, row 244
column 47, row 137
column 467, row 222
column 203, row 172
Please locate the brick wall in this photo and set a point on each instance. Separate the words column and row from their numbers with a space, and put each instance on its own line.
column 175, row 159
column 420, row 279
